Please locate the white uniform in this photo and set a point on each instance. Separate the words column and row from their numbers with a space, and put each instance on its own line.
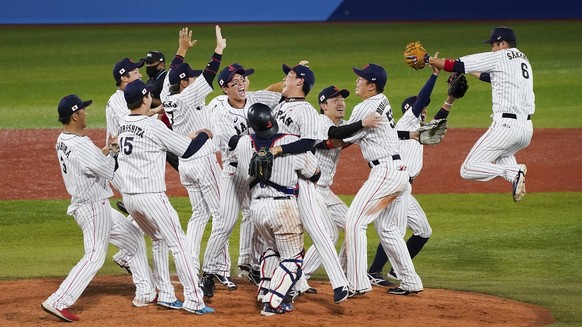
column 513, row 102
column 300, row 118
column 200, row 173
column 115, row 112
column 276, row 216
column 143, row 142
column 86, row 173
column 379, row 200
column 234, row 192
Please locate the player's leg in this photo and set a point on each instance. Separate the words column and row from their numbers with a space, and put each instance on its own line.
column 94, row 219
column 129, row 239
column 246, row 230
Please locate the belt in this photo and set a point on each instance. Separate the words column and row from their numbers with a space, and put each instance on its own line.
column 277, row 198
column 234, row 164
column 373, row 163
column 513, row 116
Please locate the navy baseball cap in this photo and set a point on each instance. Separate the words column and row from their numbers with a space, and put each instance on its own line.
column 248, row 71
column 374, row 74
column 408, row 103
column 123, row 66
column 332, row 92
column 71, row 103
column 501, row 33
column 153, row 57
column 228, row 72
column 302, row 72
column 182, row 71
column 135, row 91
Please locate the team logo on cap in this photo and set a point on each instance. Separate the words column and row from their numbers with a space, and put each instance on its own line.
column 321, row 98
column 230, row 68
column 182, row 75
column 75, row 107
column 122, row 71
column 144, row 91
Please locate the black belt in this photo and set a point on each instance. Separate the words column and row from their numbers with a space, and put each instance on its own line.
column 377, row 162
column 277, row 198
column 234, row 164
column 513, row 116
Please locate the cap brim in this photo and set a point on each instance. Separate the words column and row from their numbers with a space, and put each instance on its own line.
column 249, row 72
column 286, row 69
column 86, row 104
column 197, row 72
column 359, row 72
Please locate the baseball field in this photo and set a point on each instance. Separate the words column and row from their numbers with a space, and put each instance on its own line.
column 490, row 261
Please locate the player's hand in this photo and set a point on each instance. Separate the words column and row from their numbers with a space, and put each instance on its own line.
column 185, row 39
column 220, row 41
column 372, row 120
column 194, row 134
column 113, row 144
column 276, row 150
column 435, row 70
column 304, row 63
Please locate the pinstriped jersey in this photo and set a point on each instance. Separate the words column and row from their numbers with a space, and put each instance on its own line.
column 144, row 142
column 187, row 111
column 411, row 151
column 115, row 110
column 85, row 170
column 228, row 121
column 327, row 158
column 299, row 118
column 511, row 79
column 282, row 174
column 382, row 141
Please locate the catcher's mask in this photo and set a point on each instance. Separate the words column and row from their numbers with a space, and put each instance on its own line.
column 262, row 121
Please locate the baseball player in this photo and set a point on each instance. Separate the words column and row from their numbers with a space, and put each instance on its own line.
column 229, row 124
column 187, row 111
column 332, row 106
column 274, row 207
column 86, row 170
column 143, row 142
column 414, row 112
column 297, row 116
column 379, row 200
column 511, row 76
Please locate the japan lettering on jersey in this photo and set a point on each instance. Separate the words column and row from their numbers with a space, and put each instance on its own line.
column 299, row 118
column 511, row 79
column 379, row 142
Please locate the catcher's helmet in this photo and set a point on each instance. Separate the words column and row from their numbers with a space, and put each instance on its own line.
column 262, row 121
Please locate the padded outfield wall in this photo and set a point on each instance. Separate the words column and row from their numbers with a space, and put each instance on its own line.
column 197, row 11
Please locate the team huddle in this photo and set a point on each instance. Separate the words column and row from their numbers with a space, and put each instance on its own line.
column 278, row 161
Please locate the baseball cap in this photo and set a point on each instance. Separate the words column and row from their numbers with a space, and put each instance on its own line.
column 228, row 72
column 373, row 73
column 123, row 66
column 248, row 71
column 182, row 71
column 71, row 103
column 302, row 72
column 135, row 91
column 332, row 92
column 501, row 33
column 153, row 57
column 408, row 103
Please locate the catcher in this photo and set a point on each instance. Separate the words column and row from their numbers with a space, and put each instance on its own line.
column 414, row 113
column 273, row 184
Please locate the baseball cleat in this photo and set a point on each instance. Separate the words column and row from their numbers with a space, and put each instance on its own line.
column 202, row 311
column 224, row 280
column 244, row 270
column 267, row 310
column 140, row 303
column 340, row 294
column 311, row 290
column 172, row 305
column 122, row 264
column 254, row 277
column 392, row 275
column 121, row 207
column 207, row 285
column 63, row 313
column 261, row 294
column 519, row 184
column 400, row 291
column 378, row 280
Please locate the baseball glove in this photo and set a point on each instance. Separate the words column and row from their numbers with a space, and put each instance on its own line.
column 261, row 164
column 432, row 132
column 458, row 85
column 415, row 55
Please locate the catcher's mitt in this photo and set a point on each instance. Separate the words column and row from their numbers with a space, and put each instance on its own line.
column 458, row 85
column 433, row 131
column 415, row 55
column 261, row 164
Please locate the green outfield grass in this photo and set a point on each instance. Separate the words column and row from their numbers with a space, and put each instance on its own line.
column 482, row 243
column 41, row 64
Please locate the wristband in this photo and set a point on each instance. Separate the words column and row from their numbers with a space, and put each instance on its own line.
column 448, row 104
column 328, row 144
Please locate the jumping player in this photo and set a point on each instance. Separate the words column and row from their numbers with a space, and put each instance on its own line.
column 86, row 171
column 144, row 141
column 511, row 76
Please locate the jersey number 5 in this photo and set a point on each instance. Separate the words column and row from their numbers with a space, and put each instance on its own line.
column 63, row 164
column 126, row 145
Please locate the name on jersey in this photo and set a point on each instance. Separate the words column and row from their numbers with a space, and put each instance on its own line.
column 283, row 118
column 382, row 107
column 170, row 104
column 61, row 146
column 514, row 55
column 138, row 131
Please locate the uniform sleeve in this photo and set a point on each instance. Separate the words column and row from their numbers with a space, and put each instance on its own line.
column 223, row 128
column 168, row 139
column 358, row 114
column 309, row 125
column 165, row 88
column 196, row 93
column 269, row 98
column 481, row 62
column 98, row 165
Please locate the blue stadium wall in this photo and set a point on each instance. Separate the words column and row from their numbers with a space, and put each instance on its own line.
column 194, row 11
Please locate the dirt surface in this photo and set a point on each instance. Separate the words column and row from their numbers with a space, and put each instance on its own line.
column 30, row 171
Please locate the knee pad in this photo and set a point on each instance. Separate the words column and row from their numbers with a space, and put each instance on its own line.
column 269, row 262
column 285, row 276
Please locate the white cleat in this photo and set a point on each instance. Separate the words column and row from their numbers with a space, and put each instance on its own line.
column 519, row 184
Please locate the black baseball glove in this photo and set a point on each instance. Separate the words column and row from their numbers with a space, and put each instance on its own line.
column 458, row 85
column 261, row 164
